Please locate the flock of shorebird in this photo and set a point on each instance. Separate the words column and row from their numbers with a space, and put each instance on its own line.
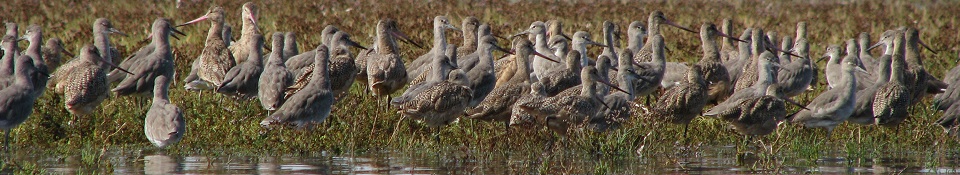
column 547, row 79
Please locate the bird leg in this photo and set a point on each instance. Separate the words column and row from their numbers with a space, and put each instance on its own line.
column 6, row 141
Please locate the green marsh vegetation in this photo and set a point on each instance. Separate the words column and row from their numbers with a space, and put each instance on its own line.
column 219, row 125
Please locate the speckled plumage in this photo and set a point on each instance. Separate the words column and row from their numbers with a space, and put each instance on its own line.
column 216, row 59
column 683, row 103
column 53, row 53
column 442, row 103
column 893, row 98
column 385, row 70
column 498, row 104
column 239, row 51
column 84, row 86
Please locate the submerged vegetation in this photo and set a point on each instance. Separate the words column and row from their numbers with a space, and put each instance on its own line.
column 218, row 124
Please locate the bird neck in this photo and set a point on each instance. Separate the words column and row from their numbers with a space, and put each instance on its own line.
column 214, row 34
column 710, row 48
column 102, row 42
column 470, row 38
column 541, row 42
column 439, row 40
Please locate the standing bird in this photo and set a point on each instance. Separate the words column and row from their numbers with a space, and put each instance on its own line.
column 17, row 99
column 635, row 34
column 440, row 24
column 164, row 125
column 343, row 66
column 654, row 21
column 275, row 77
column 683, row 103
column 482, row 76
column 893, row 98
column 102, row 28
column 84, row 85
column 385, row 70
column 34, row 35
column 241, row 49
column 766, row 77
column 242, row 80
column 757, row 115
column 950, row 121
column 923, row 82
column 570, row 110
column 498, row 104
column 869, row 63
column 312, row 104
column 721, row 85
column 944, row 100
column 9, row 45
column 537, row 33
column 442, row 103
column 798, row 75
column 53, row 53
column 147, row 68
column 469, row 45
column 834, row 106
column 440, row 66
column 863, row 110
column 651, row 72
column 216, row 59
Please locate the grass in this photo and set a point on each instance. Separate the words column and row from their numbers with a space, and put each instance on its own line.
column 220, row 126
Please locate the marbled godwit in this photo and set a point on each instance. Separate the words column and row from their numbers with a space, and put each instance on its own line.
column 469, row 26
column 523, row 119
column 834, row 72
column 726, row 44
column 797, row 76
column 215, row 59
column 290, row 47
column 84, row 84
column 485, row 48
column 498, row 103
column 561, row 79
column 654, row 21
column 450, row 53
column 749, row 73
column 440, row 104
column 924, row 83
column 834, row 106
column 242, row 80
column 312, row 104
column 712, row 66
column 736, row 60
column 300, row 64
column 758, row 115
column 385, row 69
column 227, row 34
column 385, row 45
column 618, row 106
column 950, row 96
column 17, row 99
column 892, row 99
column 53, row 53
column 440, row 68
column 681, row 104
column 327, row 33
column 555, row 28
column 275, row 77
column 863, row 111
column 164, row 125
column 440, row 24
column 766, row 64
column 570, row 110
column 102, row 28
column 146, row 68
column 342, row 69
column 12, row 29
column 240, row 51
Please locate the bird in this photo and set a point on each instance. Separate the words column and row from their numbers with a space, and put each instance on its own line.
column 34, row 36
column 798, row 75
column 216, row 59
column 441, row 65
column 482, row 76
column 537, row 33
column 53, row 52
column 469, row 29
column 164, row 124
column 442, row 103
column 275, row 77
column 18, row 98
column 681, row 104
column 385, row 45
column 84, row 86
column 737, row 59
column 712, row 66
column 498, row 103
column 944, row 100
column 102, row 28
column 312, row 104
column 654, row 21
column 240, row 50
column 766, row 66
column 158, row 62
column 570, row 110
column 863, row 110
column 833, row 106
column 749, row 72
column 440, row 24
column 385, row 70
column 923, row 83
column 560, row 79
column 7, row 62
column 757, row 115
column 242, row 80
column 949, row 120
column 636, row 31
column 892, row 99
column 652, row 72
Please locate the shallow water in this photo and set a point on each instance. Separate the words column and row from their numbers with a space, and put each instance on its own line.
column 719, row 160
